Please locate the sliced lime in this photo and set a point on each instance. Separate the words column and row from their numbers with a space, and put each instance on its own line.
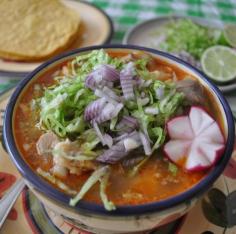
column 219, row 63
column 230, row 34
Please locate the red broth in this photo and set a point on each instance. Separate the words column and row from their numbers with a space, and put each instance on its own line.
column 153, row 183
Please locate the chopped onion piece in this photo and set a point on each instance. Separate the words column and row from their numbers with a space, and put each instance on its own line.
column 111, row 94
column 146, row 143
column 160, row 93
column 98, row 132
column 110, row 111
column 108, row 140
column 126, row 81
column 130, row 144
column 119, row 138
column 114, row 154
column 94, row 109
column 102, row 94
column 103, row 75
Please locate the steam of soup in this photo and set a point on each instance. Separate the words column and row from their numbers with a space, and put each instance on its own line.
column 95, row 127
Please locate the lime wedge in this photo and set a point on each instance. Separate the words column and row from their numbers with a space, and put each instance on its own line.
column 219, row 63
column 230, row 34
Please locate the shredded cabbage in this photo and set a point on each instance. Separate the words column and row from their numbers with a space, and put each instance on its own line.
column 93, row 179
column 103, row 184
column 185, row 35
column 62, row 105
column 55, row 181
column 173, row 168
column 160, row 137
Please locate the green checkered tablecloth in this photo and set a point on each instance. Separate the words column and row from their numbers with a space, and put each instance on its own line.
column 126, row 13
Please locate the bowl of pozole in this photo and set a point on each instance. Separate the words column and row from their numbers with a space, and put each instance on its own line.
column 118, row 138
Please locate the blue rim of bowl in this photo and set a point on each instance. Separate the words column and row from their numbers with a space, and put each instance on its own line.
column 19, row 74
column 91, row 208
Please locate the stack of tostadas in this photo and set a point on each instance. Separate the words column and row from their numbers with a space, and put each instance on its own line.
column 34, row 30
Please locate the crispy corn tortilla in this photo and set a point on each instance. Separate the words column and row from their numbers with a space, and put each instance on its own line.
column 35, row 29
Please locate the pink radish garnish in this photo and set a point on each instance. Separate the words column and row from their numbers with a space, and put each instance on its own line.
column 196, row 141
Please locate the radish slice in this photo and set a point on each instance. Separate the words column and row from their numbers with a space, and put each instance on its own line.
column 196, row 141
column 173, row 148
column 200, row 119
column 180, row 128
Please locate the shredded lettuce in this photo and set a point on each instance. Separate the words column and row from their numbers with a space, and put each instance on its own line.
column 63, row 104
column 173, row 168
column 136, row 168
column 88, row 140
column 76, row 125
column 144, row 119
column 159, row 135
column 170, row 103
column 76, row 150
column 62, row 109
column 92, row 180
column 55, row 181
column 87, row 62
column 109, row 205
column 113, row 123
column 185, row 35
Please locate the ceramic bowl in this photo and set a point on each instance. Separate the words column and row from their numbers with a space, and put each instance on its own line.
column 125, row 219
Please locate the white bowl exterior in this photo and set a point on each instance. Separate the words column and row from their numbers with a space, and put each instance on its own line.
column 104, row 224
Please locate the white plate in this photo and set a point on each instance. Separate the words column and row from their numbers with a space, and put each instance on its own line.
column 143, row 34
column 96, row 29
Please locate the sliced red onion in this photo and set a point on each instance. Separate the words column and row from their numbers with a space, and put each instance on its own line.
column 132, row 161
column 109, row 72
column 127, row 125
column 118, row 151
column 90, row 81
column 105, row 139
column 109, row 84
column 101, row 93
column 103, row 75
column 131, row 144
column 146, row 143
column 159, row 93
column 111, row 94
column 109, row 111
column 94, row 109
column 126, row 81
column 138, row 81
column 131, row 121
column 113, row 155
column 128, row 121
column 135, row 136
column 98, row 132
column 121, row 137
column 108, row 140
